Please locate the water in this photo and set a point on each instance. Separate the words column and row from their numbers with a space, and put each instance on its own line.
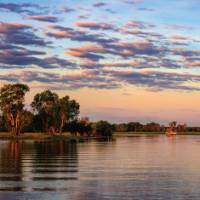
column 127, row 168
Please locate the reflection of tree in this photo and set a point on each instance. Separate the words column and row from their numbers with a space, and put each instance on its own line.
column 56, row 157
column 37, row 161
column 56, row 148
column 10, row 160
column 10, row 165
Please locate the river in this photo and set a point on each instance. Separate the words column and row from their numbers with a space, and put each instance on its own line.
column 135, row 168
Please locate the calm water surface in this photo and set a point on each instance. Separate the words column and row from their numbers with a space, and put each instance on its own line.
column 127, row 168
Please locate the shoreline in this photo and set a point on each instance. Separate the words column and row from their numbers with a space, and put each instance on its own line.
column 70, row 137
column 39, row 137
column 133, row 134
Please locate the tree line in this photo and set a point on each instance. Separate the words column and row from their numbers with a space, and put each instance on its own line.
column 47, row 113
column 152, row 127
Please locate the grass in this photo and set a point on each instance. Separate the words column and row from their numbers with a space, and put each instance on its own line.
column 39, row 136
column 70, row 137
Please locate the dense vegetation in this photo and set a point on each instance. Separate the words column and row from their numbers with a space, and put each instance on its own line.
column 151, row 127
column 103, row 128
column 48, row 113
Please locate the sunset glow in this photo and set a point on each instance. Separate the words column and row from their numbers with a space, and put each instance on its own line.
column 122, row 60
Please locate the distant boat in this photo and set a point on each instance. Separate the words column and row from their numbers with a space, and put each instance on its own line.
column 170, row 132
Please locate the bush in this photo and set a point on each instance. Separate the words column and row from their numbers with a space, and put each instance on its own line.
column 103, row 129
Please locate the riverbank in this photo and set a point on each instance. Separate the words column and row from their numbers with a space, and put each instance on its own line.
column 70, row 137
column 134, row 134
column 39, row 136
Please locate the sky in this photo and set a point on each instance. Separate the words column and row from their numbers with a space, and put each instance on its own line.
column 122, row 60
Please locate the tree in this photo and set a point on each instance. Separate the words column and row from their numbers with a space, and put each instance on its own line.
column 104, row 129
column 181, row 127
column 44, row 105
column 3, row 127
column 26, row 124
column 152, row 127
column 72, row 127
column 173, row 125
column 84, row 126
column 121, row 127
column 12, row 105
column 68, row 110
column 134, row 126
column 54, row 112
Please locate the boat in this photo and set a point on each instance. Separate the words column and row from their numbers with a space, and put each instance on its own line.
column 170, row 132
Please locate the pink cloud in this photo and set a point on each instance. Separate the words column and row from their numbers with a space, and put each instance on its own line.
column 6, row 27
column 44, row 18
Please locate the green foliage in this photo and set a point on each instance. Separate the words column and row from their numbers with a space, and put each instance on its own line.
column 104, row 129
column 12, row 97
column 44, row 101
column 79, row 126
column 3, row 127
column 27, row 121
column 45, row 105
column 54, row 112
column 68, row 111
column 12, row 105
column 134, row 126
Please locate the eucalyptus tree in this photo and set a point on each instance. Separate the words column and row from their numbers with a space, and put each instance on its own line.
column 68, row 110
column 12, row 105
column 54, row 112
column 44, row 104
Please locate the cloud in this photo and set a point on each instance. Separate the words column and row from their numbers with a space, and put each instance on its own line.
column 99, row 4
column 122, row 49
column 22, row 58
column 123, row 64
column 195, row 64
column 141, row 33
column 26, row 38
column 110, row 11
column 9, row 27
column 139, row 24
column 110, row 79
column 79, row 35
column 133, row 1
column 90, row 56
column 104, row 54
column 95, row 26
column 89, row 52
column 146, row 9
column 24, row 8
column 68, row 9
column 90, row 64
column 131, row 49
column 147, row 53
column 110, row 46
column 185, row 52
column 85, row 79
column 15, row 33
column 44, row 18
column 156, row 81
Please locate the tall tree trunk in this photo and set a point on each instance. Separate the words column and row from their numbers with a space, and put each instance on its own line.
column 17, row 124
column 11, row 122
column 61, row 125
